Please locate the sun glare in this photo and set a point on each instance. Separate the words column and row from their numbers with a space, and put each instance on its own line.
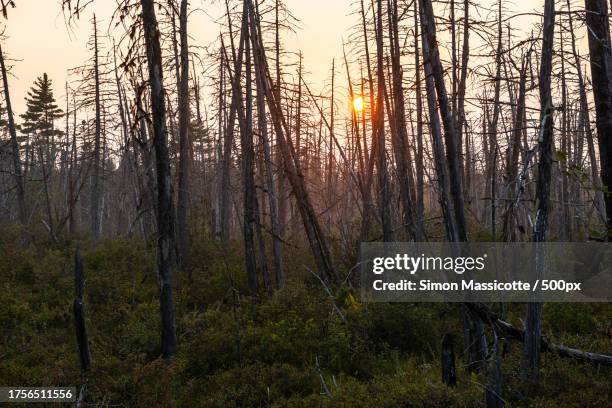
column 358, row 103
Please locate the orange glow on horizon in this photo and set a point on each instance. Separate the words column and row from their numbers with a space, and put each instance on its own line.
column 358, row 103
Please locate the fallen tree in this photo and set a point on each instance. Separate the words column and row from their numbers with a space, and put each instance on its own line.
column 515, row 333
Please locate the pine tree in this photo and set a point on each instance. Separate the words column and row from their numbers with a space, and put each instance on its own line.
column 38, row 122
column 42, row 110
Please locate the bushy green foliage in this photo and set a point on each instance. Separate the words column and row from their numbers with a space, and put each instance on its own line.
column 294, row 349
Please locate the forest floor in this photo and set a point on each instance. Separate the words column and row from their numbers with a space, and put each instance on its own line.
column 289, row 350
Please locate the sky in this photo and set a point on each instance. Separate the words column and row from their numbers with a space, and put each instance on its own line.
column 39, row 41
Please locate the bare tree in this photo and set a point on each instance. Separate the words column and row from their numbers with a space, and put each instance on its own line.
column 533, row 329
column 14, row 145
column 165, row 222
column 94, row 211
column 184, row 138
column 601, row 74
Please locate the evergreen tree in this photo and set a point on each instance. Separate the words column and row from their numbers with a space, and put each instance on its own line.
column 38, row 122
column 42, row 110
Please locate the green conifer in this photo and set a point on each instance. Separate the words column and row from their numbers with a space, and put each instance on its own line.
column 41, row 110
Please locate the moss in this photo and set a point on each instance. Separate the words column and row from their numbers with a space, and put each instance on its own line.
column 241, row 351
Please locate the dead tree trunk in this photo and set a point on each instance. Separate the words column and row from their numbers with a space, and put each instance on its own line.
column 94, row 209
column 72, row 196
column 229, row 134
column 585, row 124
column 384, row 189
column 432, row 58
column 461, row 88
column 533, row 329
column 78, row 309
column 313, row 229
column 420, row 184
column 248, row 174
column 597, row 21
column 404, row 159
column 515, row 147
column 164, row 177
column 369, row 158
column 437, row 144
column 492, row 129
column 184, row 139
column 271, row 187
column 449, row 374
column 14, row 145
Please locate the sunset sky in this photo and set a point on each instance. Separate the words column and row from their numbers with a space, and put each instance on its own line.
column 40, row 42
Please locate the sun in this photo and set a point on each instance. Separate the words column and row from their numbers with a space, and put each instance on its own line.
column 358, row 103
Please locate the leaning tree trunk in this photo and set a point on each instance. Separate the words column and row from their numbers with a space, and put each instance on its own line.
column 228, row 140
column 438, row 145
column 269, row 177
column 184, row 140
column 164, row 177
column 14, row 145
column 455, row 222
column 601, row 75
column 313, row 229
column 432, row 58
column 533, row 329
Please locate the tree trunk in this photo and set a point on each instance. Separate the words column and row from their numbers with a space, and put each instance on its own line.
column 229, row 135
column 585, row 124
column 14, row 145
column 601, row 75
column 78, row 309
column 512, row 170
column 292, row 168
column 436, row 136
column 465, row 55
column 384, row 188
column 184, row 139
column 164, row 178
column 404, row 159
column 432, row 58
column 449, row 374
column 271, row 187
column 248, row 173
column 420, row 206
column 533, row 330
column 94, row 209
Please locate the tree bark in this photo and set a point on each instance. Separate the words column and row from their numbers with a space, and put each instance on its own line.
column 164, row 178
column 14, row 145
column 94, row 209
column 248, row 173
column 184, row 139
column 597, row 21
column 229, row 134
column 271, row 187
column 384, row 188
column 313, row 229
column 400, row 145
column 79, row 313
column 533, row 330
column 449, row 374
column 432, row 58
